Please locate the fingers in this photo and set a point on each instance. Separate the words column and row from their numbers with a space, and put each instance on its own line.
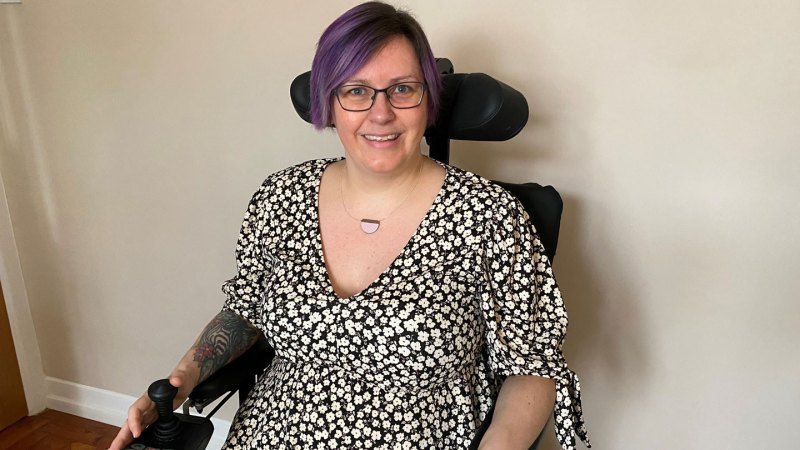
column 140, row 414
column 134, row 422
column 137, row 420
column 123, row 438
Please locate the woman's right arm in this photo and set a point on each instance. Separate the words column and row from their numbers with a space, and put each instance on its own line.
column 225, row 337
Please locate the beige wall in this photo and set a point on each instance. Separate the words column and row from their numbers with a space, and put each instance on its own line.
column 133, row 134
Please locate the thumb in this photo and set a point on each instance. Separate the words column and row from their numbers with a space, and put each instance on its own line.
column 182, row 380
column 177, row 378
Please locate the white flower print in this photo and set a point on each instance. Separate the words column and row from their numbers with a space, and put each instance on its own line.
column 410, row 362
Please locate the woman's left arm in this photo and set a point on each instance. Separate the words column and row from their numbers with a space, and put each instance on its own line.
column 526, row 321
column 524, row 404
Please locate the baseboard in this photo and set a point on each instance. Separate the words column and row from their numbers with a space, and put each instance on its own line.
column 107, row 406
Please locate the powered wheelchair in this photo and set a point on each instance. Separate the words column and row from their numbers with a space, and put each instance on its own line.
column 474, row 106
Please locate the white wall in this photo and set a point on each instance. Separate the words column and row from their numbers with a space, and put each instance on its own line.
column 134, row 133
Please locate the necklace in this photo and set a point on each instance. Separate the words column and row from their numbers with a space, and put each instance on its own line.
column 370, row 226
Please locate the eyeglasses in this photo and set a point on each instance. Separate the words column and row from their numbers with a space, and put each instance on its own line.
column 357, row 97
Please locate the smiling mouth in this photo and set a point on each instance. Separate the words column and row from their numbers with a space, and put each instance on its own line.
column 376, row 138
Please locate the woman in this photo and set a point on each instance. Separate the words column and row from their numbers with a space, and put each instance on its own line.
column 403, row 297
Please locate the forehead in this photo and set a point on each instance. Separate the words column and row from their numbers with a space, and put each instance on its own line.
column 395, row 61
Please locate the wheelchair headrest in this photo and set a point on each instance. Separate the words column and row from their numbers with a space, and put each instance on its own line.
column 474, row 107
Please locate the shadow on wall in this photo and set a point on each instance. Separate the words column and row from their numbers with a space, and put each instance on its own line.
column 607, row 339
column 32, row 198
column 606, row 342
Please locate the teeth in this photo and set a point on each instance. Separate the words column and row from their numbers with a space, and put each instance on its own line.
column 388, row 137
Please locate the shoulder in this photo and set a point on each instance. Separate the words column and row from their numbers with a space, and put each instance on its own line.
column 477, row 193
column 289, row 186
column 297, row 179
column 299, row 174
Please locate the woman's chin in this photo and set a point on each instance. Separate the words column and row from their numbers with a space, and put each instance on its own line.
column 386, row 158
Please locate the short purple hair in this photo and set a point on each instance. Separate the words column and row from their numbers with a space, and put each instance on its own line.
column 351, row 40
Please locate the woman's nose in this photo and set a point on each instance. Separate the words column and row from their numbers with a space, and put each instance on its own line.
column 382, row 110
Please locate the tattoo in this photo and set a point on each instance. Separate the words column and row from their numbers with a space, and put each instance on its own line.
column 226, row 337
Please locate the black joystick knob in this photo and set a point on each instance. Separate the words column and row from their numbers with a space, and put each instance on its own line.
column 167, row 428
column 172, row 430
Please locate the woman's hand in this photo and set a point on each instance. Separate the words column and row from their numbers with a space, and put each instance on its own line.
column 224, row 338
column 142, row 412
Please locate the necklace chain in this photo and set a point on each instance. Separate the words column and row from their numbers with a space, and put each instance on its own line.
column 370, row 226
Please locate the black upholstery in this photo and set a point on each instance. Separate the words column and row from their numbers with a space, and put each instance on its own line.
column 240, row 374
column 544, row 206
column 474, row 107
column 300, row 93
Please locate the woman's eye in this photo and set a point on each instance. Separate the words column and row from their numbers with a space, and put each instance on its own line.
column 357, row 91
column 402, row 89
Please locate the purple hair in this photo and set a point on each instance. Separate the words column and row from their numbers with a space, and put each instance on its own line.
column 349, row 42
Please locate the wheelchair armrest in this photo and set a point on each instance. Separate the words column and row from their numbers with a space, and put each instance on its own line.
column 237, row 374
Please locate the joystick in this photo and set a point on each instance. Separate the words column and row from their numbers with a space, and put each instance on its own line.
column 167, row 428
column 172, row 431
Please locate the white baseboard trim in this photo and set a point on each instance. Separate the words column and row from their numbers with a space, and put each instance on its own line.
column 107, row 406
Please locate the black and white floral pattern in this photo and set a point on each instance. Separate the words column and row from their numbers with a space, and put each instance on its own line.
column 415, row 360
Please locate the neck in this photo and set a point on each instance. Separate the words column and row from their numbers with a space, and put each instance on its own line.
column 377, row 196
column 365, row 184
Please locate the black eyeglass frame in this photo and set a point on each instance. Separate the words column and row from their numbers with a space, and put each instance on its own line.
column 378, row 91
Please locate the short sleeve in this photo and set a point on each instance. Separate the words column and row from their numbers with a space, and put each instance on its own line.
column 244, row 292
column 525, row 315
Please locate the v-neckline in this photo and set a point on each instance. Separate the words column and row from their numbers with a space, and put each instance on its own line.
column 320, row 253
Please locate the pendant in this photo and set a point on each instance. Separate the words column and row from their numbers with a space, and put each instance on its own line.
column 370, row 226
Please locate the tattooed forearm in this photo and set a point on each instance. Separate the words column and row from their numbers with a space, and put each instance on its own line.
column 224, row 338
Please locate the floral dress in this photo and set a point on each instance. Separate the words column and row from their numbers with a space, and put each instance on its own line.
column 415, row 360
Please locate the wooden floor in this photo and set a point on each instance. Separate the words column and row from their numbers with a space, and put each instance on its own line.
column 53, row 430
